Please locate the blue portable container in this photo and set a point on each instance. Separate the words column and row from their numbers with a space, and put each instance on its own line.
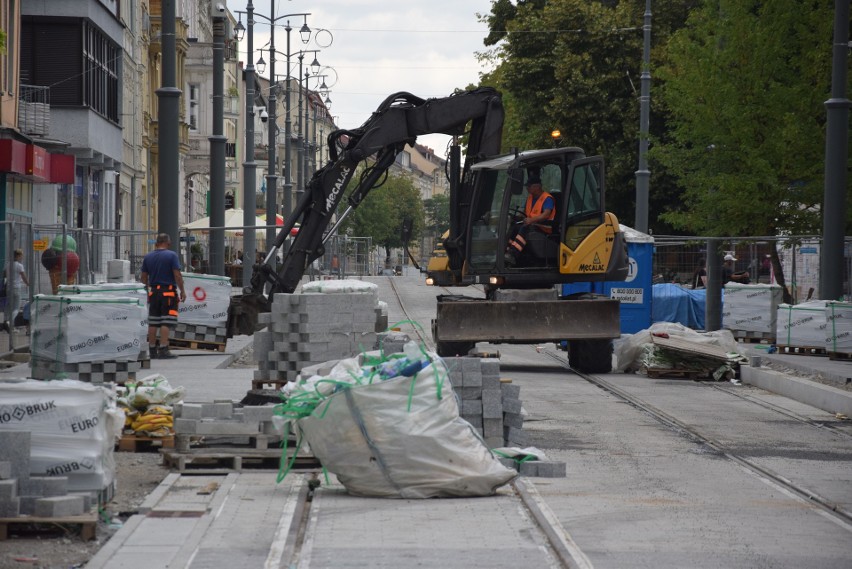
column 635, row 292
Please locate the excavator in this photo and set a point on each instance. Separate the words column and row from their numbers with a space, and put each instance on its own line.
column 521, row 302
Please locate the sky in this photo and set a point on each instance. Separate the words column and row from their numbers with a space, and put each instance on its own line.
column 378, row 48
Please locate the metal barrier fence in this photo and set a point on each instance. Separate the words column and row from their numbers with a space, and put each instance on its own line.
column 677, row 258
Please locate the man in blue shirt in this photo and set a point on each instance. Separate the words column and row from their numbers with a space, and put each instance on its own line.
column 161, row 275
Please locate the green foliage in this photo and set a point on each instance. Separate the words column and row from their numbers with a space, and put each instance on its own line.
column 437, row 212
column 575, row 65
column 381, row 213
column 745, row 84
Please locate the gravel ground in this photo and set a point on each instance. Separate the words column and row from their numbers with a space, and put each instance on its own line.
column 137, row 474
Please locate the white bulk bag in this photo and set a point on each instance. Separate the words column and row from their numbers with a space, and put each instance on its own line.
column 377, row 446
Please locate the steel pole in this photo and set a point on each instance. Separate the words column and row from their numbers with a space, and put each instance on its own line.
column 643, row 174
column 168, row 99
column 288, row 127
column 300, row 144
column 713, row 304
column 306, row 140
column 271, row 170
column 249, row 165
column 836, row 155
column 217, row 153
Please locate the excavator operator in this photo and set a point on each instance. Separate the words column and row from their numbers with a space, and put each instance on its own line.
column 540, row 207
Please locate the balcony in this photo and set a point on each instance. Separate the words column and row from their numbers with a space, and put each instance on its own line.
column 34, row 110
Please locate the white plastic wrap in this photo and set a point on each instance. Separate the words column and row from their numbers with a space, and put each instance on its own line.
column 838, row 318
column 73, row 426
column 751, row 308
column 629, row 350
column 379, row 446
column 801, row 325
column 340, row 286
column 87, row 328
column 131, row 290
column 207, row 300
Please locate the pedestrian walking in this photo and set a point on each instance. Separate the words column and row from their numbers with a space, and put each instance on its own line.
column 18, row 284
column 161, row 275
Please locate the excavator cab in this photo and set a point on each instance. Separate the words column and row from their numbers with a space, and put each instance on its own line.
column 581, row 243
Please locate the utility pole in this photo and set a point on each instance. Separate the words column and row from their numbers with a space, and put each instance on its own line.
column 217, row 151
column 836, row 155
column 168, row 98
column 643, row 175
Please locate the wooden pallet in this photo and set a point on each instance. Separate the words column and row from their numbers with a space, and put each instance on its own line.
column 181, row 344
column 223, row 461
column 748, row 337
column 31, row 525
column 839, row 356
column 185, row 443
column 666, row 373
column 139, row 443
column 802, row 350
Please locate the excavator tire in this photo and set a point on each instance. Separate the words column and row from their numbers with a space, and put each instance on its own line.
column 451, row 349
column 591, row 356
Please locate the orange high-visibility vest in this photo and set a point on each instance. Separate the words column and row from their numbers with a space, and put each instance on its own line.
column 534, row 209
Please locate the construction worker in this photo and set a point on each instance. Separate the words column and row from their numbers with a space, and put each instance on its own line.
column 161, row 274
column 540, row 207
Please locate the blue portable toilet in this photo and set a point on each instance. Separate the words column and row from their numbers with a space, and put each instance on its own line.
column 636, row 291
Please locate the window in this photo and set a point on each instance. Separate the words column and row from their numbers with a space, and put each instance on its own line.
column 193, row 102
column 101, row 59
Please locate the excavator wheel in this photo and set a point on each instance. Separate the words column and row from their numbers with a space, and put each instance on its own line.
column 590, row 356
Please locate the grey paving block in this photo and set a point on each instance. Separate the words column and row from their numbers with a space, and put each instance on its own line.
column 511, row 406
column 490, row 366
column 515, row 436
column 258, row 413
column 471, row 378
column 226, row 428
column 471, row 407
column 492, row 427
column 10, row 508
column 59, row 506
column 513, row 420
column 494, row 442
column 466, row 393
column 217, row 410
column 5, row 470
column 26, row 505
column 471, row 365
column 492, row 404
column 508, row 462
column 15, row 448
column 185, row 426
column 191, row 411
column 529, row 468
column 8, row 489
column 474, row 420
column 491, row 382
column 43, row 486
column 90, row 499
column 510, row 391
column 551, row 469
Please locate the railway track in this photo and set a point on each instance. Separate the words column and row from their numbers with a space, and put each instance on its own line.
column 835, row 511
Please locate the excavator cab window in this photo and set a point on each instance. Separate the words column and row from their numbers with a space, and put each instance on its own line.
column 487, row 220
column 585, row 200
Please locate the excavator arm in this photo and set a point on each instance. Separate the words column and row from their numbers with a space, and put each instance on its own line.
column 397, row 122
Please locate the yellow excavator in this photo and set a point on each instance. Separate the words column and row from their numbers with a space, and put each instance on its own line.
column 522, row 304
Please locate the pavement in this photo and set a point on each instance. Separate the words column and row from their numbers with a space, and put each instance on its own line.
column 249, row 521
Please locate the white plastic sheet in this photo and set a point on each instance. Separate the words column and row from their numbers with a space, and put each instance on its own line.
column 379, row 446
column 87, row 328
column 73, row 426
column 751, row 308
column 838, row 318
column 801, row 325
column 629, row 350
column 207, row 300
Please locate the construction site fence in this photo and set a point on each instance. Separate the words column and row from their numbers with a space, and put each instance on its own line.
column 676, row 259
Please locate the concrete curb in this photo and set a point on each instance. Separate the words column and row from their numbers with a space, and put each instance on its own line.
column 236, row 355
column 823, row 397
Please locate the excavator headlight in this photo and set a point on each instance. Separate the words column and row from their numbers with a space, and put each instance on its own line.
column 430, row 281
column 495, row 280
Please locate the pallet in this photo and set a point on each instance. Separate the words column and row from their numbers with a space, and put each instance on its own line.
column 224, row 461
column 139, row 443
column 802, row 350
column 87, row 523
column 186, row 443
column 665, row 373
column 846, row 356
column 180, row 344
column 749, row 337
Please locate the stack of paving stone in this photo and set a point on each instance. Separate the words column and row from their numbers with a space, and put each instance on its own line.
column 41, row 496
column 91, row 372
column 311, row 328
column 200, row 333
column 223, row 418
column 491, row 406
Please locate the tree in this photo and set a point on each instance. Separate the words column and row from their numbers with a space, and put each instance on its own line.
column 437, row 210
column 744, row 85
column 381, row 213
column 575, row 65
